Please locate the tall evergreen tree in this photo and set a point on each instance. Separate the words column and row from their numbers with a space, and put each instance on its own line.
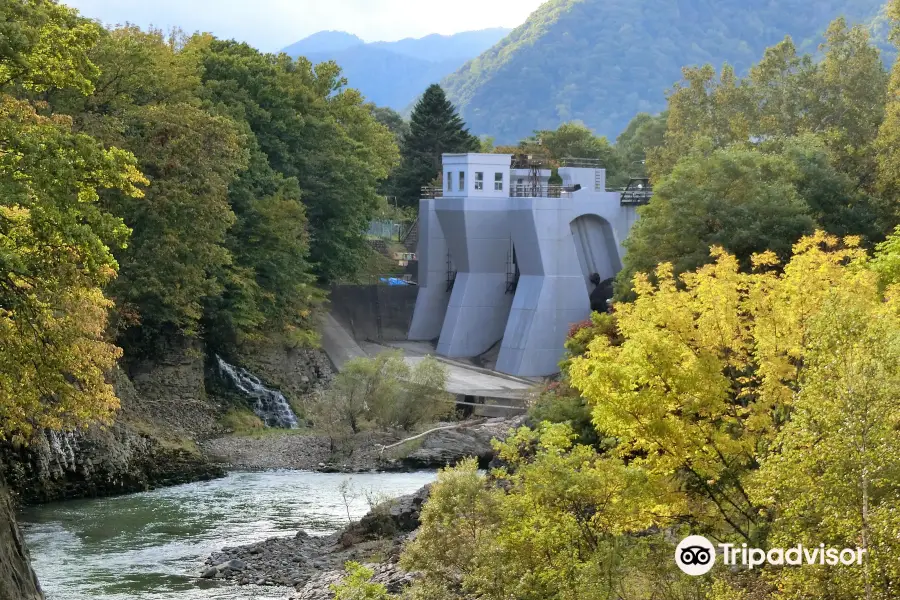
column 435, row 128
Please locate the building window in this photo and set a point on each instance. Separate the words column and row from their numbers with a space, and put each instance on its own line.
column 449, row 181
column 462, row 181
column 479, row 180
column 498, row 182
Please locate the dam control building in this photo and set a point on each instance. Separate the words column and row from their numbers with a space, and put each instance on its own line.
column 505, row 257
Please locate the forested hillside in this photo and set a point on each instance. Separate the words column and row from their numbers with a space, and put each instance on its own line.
column 160, row 188
column 603, row 61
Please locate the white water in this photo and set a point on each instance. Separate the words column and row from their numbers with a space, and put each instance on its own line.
column 152, row 545
column 269, row 405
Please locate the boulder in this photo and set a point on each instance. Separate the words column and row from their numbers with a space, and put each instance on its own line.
column 449, row 446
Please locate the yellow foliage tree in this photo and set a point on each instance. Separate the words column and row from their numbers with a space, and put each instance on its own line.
column 54, row 237
column 750, row 391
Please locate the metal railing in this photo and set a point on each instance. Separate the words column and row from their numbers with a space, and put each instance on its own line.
column 431, row 191
column 580, row 163
column 540, row 191
column 388, row 230
column 637, row 192
column 524, row 190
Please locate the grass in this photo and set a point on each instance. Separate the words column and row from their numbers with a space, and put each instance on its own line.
column 163, row 438
column 242, row 421
column 267, row 432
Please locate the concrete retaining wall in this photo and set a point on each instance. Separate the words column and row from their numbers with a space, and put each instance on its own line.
column 374, row 312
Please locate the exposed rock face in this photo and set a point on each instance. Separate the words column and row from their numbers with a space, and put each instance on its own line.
column 17, row 580
column 99, row 462
column 150, row 444
column 170, row 393
column 295, row 372
column 449, row 446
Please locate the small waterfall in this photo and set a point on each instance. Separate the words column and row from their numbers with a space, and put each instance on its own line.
column 62, row 448
column 269, row 405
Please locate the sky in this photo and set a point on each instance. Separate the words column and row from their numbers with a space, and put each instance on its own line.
column 273, row 24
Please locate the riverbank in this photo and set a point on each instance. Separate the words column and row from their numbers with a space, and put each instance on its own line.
column 169, row 406
column 447, row 444
column 311, row 564
column 153, row 545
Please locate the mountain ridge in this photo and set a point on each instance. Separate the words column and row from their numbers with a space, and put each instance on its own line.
column 603, row 61
column 393, row 74
column 323, row 41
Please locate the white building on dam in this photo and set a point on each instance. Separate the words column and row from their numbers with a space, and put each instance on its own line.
column 506, row 257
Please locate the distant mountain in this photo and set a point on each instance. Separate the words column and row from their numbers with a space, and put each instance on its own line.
column 384, row 77
column 439, row 48
column 604, row 61
column 324, row 41
column 393, row 74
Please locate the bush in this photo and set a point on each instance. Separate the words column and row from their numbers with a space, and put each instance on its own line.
column 581, row 334
column 384, row 391
column 561, row 404
column 356, row 586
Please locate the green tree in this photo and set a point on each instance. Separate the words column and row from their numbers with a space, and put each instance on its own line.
column 45, row 47
column 268, row 286
column 391, row 119
column 146, row 101
column 888, row 140
column 312, row 128
column 54, row 234
column 643, row 134
column 742, row 200
column 169, row 268
column 840, row 99
column 575, row 140
column 434, row 129
column 557, row 529
column 841, row 439
column 387, row 391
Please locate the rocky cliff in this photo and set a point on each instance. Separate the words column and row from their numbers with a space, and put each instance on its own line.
column 296, row 372
column 152, row 442
column 167, row 409
column 17, row 580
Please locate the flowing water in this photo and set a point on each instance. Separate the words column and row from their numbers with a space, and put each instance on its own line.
column 153, row 545
column 269, row 405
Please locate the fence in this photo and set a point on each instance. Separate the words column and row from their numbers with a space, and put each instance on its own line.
column 388, row 230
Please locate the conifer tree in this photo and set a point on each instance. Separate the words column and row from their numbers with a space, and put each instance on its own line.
column 435, row 128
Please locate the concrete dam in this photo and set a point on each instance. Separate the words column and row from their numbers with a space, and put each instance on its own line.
column 505, row 257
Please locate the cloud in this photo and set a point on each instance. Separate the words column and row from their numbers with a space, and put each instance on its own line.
column 273, row 24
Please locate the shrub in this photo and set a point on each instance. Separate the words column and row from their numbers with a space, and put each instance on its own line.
column 385, row 391
column 356, row 586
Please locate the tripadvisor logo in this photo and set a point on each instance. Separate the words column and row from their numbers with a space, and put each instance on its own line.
column 696, row 555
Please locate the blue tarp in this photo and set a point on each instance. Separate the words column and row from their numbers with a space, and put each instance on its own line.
column 393, row 281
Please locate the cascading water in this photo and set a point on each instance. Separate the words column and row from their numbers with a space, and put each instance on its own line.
column 269, row 405
column 62, row 448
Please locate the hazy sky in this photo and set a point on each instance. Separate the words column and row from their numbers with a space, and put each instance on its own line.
column 273, row 24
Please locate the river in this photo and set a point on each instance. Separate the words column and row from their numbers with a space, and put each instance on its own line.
column 152, row 545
